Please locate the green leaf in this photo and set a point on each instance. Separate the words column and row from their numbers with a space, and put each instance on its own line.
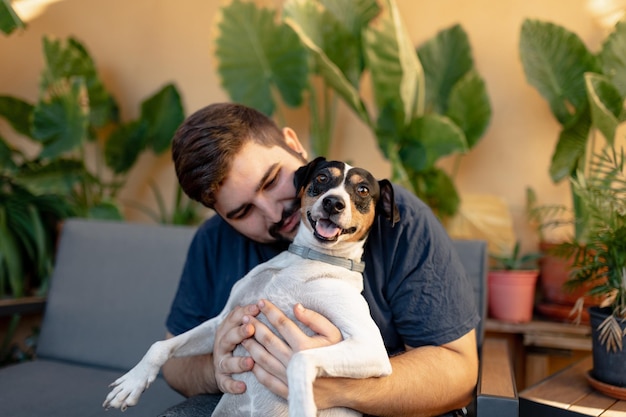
column 438, row 191
column 68, row 63
column 554, row 61
column 437, row 135
column 613, row 57
column 469, row 107
column 9, row 20
column 124, row 146
column 255, row 55
column 162, row 114
column 354, row 15
column 11, row 270
column 59, row 176
column 331, row 73
column 60, row 124
column 570, row 149
column 328, row 33
column 397, row 76
column 105, row 210
column 606, row 105
column 18, row 113
column 7, row 164
column 446, row 59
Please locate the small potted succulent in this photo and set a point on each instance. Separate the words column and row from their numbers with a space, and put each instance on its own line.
column 511, row 287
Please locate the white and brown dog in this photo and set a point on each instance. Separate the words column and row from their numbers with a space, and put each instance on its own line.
column 322, row 270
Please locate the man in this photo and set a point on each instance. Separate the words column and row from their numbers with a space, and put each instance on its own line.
column 238, row 162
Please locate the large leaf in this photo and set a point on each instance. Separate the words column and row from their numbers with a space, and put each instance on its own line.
column 397, row 76
column 18, row 113
column 65, row 63
column 613, row 56
column 606, row 105
column 256, row 55
column 354, row 15
column 106, row 210
column 329, row 33
column 570, row 149
column 429, row 138
column 446, row 58
column 9, row 20
column 7, row 164
column 329, row 71
column 469, row 107
column 11, row 268
column 60, row 124
column 554, row 61
column 124, row 146
column 162, row 113
column 59, row 176
column 437, row 189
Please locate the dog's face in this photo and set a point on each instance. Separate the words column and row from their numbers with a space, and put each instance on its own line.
column 339, row 202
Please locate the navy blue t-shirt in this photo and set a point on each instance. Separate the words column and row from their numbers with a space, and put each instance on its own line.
column 415, row 284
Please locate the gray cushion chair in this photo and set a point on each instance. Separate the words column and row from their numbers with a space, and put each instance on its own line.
column 110, row 292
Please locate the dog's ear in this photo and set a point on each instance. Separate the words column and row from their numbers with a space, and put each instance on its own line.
column 303, row 174
column 387, row 202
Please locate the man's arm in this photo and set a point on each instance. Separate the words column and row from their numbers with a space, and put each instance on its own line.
column 427, row 380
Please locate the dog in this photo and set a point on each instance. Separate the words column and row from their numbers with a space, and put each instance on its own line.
column 322, row 269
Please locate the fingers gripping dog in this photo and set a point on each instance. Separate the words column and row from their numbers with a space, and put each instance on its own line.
column 322, row 270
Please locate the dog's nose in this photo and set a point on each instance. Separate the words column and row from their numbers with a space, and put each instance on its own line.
column 333, row 205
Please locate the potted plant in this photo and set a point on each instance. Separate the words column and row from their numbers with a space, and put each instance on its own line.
column 599, row 258
column 511, row 284
column 428, row 102
column 555, row 61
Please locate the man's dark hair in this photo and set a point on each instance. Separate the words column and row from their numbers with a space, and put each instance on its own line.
column 205, row 144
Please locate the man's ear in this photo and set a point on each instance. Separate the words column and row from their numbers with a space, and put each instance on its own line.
column 387, row 202
column 303, row 174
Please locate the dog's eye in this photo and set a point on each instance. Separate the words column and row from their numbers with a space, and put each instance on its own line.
column 321, row 179
column 363, row 190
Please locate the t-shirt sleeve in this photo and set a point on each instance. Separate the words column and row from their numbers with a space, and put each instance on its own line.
column 218, row 257
column 194, row 301
column 423, row 290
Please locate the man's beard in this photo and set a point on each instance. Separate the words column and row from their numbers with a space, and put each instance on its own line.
column 275, row 228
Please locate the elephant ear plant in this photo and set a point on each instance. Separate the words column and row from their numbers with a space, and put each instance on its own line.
column 83, row 157
column 427, row 103
column 555, row 61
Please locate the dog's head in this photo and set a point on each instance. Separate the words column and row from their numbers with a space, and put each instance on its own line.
column 340, row 202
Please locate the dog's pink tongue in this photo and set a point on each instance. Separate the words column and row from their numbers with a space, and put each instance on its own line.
column 327, row 229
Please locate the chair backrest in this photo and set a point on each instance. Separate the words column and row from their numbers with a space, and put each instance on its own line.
column 110, row 292
column 474, row 257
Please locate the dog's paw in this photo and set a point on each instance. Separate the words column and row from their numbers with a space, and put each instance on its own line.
column 127, row 389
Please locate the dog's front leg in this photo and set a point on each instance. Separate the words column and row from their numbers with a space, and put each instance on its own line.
column 301, row 372
column 128, row 388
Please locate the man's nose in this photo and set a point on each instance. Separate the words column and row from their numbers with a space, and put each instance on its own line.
column 271, row 209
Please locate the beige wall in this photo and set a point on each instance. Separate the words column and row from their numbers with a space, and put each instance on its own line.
column 139, row 45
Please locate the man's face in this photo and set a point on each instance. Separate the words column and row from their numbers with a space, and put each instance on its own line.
column 258, row 197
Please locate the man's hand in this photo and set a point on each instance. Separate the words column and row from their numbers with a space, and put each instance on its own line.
column 271, row 354
column 232, row 331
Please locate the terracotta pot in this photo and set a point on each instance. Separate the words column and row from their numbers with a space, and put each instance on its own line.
column 554, row 272
column 511, row 295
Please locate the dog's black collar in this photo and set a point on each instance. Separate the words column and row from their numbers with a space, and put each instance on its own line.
column 309, row 253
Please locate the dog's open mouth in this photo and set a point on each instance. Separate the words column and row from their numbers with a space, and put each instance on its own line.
column 325, row 229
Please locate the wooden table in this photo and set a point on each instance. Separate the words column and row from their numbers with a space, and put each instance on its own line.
column 535, row 341
column 567, row 394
